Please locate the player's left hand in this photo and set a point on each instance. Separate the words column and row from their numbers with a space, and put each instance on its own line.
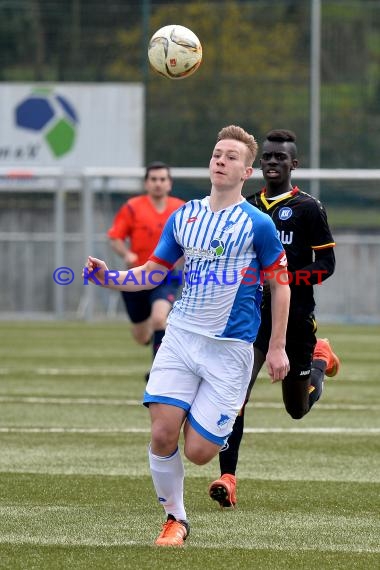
column 277, row 364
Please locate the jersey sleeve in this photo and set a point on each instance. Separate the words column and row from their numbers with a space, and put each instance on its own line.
column 270, row 251
column 320, row 233
column 167, row 251
column 122, row 223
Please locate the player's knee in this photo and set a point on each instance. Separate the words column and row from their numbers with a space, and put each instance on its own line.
column 296, row 413
column 197, row 458
column 164, row 440
column 143, row 338
column 159, row 322
column 199, row 455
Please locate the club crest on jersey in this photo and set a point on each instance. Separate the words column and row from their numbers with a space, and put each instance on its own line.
column 222, row 420
column 285, row 213
column 217, row 246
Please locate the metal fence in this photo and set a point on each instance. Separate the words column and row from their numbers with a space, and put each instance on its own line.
column 313, row 64
column 50, row 220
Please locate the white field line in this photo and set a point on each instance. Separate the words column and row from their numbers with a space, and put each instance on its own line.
column 63, row 401
column 123, row 371
column 20, row 539
column 331, row 430
column 79, row 371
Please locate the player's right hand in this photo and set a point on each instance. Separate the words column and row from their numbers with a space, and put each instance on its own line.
column 95, row 270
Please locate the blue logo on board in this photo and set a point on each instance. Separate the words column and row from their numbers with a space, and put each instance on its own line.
column 50, row 116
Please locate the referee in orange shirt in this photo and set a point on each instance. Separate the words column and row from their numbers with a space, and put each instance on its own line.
column 134, row 234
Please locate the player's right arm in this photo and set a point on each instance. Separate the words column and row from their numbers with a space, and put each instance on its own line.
column 139, row 278
column 147, row 276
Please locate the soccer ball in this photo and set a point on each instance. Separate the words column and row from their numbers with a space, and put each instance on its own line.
column 175, row 52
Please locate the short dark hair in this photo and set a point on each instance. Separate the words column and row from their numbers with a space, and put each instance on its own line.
column 156, row 166
column 283, row 136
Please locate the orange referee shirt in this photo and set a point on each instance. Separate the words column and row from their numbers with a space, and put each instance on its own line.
column 139, row 221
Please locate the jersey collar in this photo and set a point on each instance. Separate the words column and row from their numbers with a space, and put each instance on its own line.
column 269, row 204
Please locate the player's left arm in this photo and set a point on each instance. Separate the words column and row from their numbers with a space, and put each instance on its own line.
column 321, row 268
column 276, row 359
column 274, row 262
column 322, row 243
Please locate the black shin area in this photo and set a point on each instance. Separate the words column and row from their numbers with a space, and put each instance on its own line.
column 228, row 458
column 157, row 340
column 316, row 383
column 295, row 394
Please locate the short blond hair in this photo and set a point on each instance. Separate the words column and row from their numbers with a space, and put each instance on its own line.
column 238, row 134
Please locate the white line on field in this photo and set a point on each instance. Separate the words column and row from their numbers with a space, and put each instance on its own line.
column 22, row 540
column 331, row 430
column 79, row 371
column 63, row 401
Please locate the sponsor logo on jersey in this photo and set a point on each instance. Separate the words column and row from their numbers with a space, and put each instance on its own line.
column 217, row 246
column 285, row 213
column 199, row 252
column 285, row 237
column 191, row 220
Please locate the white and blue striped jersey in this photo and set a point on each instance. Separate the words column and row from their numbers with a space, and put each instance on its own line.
column 224, row 253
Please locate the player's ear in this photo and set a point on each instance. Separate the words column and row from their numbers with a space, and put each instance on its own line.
column 294, row 163
column 248, row 173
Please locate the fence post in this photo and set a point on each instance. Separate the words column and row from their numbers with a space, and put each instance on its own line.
column 59, row 246
column 88, row 243
column 315, row 88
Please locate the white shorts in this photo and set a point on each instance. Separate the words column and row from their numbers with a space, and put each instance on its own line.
column 206, row 377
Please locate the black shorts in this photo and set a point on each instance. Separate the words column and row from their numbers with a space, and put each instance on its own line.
column 139, row 304
column 300, row 341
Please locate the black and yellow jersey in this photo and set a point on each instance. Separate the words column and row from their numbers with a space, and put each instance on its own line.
column 303, row 229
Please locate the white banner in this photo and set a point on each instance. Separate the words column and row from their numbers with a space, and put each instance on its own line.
column 71, row 125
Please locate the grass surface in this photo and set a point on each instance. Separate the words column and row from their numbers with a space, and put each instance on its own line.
column 75, row 489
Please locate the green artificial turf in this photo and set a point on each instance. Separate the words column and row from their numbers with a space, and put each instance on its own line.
column 75, row 489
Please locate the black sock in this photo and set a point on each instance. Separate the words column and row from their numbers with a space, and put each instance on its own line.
column 228, row 458
column 157, row 340
column 316, row 380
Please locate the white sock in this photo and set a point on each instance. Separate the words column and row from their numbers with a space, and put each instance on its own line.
column 168, row 475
